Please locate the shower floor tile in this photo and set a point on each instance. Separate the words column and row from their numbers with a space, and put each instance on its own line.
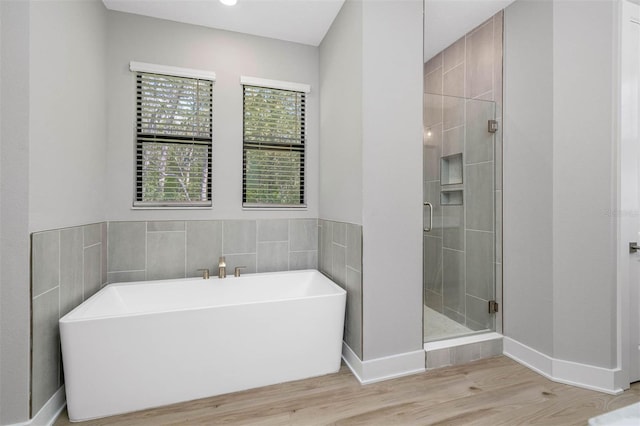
column 438, row 326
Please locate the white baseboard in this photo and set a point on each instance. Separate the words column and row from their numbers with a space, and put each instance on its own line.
column 385, row 368
column 49, row 412
column 561, row 371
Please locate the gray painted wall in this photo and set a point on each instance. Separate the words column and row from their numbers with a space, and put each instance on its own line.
column 14, row 205
column 341, row 117
column 392, row 177
column 559, row 268
column 229, row 55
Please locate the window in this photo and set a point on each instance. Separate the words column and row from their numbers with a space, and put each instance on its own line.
column 173, row 137
column 273, row 144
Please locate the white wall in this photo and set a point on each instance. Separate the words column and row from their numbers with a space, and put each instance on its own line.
column 67, row 53
column 528, row 174
column 341, row 117
column 392, row 177
column 229, row 55
column 14, row 208
column 559, row 238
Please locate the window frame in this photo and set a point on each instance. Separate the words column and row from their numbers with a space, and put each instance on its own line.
column 139, row 68
column 305, row 89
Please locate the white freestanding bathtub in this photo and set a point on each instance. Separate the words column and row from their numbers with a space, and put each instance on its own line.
column 145, row 344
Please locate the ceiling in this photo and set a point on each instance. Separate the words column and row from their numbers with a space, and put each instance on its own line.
column 307, row 21
column 300, row 21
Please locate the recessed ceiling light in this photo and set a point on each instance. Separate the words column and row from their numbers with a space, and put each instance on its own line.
column 229, row 2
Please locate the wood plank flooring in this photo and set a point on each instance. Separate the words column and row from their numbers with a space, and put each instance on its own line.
column 494, row 391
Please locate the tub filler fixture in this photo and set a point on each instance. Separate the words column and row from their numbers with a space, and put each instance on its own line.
column 146, row 344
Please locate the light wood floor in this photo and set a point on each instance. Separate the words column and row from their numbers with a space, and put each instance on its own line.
column 494, row 391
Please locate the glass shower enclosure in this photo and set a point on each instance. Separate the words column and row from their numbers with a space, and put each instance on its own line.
column 459, row 235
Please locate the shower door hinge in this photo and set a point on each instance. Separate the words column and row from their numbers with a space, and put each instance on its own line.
column 493, row 306
column 493, row 126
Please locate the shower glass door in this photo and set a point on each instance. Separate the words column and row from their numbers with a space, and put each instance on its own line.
column 459, row 238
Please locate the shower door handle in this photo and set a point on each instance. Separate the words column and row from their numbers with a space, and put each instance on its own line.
column 427, row 204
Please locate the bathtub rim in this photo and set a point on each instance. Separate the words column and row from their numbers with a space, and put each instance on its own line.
column 339, row 292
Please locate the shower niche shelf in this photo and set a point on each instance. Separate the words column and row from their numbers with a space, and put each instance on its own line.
column 451, row 197
column 451, row 169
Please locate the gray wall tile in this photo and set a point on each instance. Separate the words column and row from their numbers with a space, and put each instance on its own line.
column 340, row 233
column 478, row 313
column 92, row 234
column 480, row 60
column 104, row 228
column 248, row 261
column 479, row 144
column 353, row 316
column 126, row 246
column 453, row 141
column 204, row 246
column 439, row 358
column 166, row 253
column 273, row 256
column 92, row 270
column 239, row 237
column 166, row 225
column 326, row 258
column 45, row 261
column 431, row 152
column 354, row 247
column 45, row 348
column 479, row 196
column 433, row 300
column 339, row 270
column 491, row 348
column 480, row 264
column 433, row 64
column 454, row 55
column 126, row 277
column 303, row 234
column 299, row 260
column 465, row 353
column 432, row 110
column 453, row 272
column 273, row 230
column 71, row 268
column 453, row 227
column 452, row 112
column 453, row 82
column 499, row 226
column 433, row 82
column 432, row 264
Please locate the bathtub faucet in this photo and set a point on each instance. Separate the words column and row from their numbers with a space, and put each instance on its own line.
column 222, row 268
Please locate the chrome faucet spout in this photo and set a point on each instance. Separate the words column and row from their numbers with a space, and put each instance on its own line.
column 222, row 268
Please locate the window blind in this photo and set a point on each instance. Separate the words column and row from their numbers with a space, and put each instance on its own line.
column 273, row 147
column 173, row 141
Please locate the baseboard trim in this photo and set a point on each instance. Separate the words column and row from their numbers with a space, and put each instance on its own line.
column 567, row 372
column 385, row 368
column 49, row 412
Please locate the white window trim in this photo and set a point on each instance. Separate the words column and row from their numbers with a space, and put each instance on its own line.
column 169, row 70
column 275, row 84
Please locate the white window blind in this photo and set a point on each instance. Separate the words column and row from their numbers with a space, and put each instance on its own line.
column 173, row 141
column 273, row 147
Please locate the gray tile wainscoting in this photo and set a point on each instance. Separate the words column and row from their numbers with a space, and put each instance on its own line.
column 340, row 258
column 67, row 267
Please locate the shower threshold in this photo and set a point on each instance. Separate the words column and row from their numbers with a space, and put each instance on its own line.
column 462, row 350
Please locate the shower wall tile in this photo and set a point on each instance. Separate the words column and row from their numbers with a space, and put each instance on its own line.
column 239, row 237
column 126, row 245
column 478, row 316
column 166, row 253
column 498, row 28
column 273, row 230
column 45, row 263
column 433, row 264
column 433, row 82
column 303, row 234
column 452, row 112
column 453, row 82
column 431, row 152
column 71, row 268
column 453, row 141
column 433, row 64
column 479, row 196
column 479, row 142
column 454, row 55
column 45, row 348
column 204, row 246
column 480, row 264
column 432, row 195
column 453, row 280
column 433, row 300
column 480, row 60
column 499, row 226
column 273, row 256
column 453, row 227
column 432, row 109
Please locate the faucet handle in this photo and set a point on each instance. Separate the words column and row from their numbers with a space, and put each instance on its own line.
column 221, row 262
column 205, row 273
column 236, row 272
